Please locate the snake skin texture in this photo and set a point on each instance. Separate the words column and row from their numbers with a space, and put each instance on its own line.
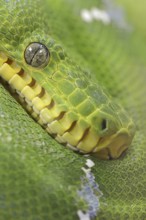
column 39, row 180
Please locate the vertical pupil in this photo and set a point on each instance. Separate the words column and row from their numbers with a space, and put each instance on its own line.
column 37, row 55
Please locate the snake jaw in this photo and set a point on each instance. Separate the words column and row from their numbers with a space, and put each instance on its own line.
column 114, row 146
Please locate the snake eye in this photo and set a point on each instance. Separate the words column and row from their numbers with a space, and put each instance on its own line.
column 37, row 55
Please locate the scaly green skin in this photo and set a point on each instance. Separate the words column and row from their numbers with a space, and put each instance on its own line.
column 40, row 179
column 81, row 104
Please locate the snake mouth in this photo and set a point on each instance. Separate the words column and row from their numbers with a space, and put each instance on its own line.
column 114, row 146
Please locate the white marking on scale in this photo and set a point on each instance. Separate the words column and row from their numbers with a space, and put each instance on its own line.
column 90, row 163
column 90, row 193
column 82, row 215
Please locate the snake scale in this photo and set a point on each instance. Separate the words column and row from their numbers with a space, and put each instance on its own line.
column 57, row 67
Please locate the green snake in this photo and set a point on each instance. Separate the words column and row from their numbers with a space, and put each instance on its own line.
column 57, row 67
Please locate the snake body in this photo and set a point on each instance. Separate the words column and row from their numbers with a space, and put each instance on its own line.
column 72, row 77
column 60, row 96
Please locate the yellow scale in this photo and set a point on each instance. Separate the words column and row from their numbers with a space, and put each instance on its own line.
column 9, row 71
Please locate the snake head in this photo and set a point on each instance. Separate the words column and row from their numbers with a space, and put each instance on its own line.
column 59, row 94
column 76, row 111
column 89, row 121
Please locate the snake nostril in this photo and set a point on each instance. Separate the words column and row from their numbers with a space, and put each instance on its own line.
column 104, row 124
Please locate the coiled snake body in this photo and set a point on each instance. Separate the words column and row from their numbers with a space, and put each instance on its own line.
column 46, row 55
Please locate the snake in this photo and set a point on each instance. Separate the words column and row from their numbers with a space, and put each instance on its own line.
column 78, row 113
column 47, row 68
